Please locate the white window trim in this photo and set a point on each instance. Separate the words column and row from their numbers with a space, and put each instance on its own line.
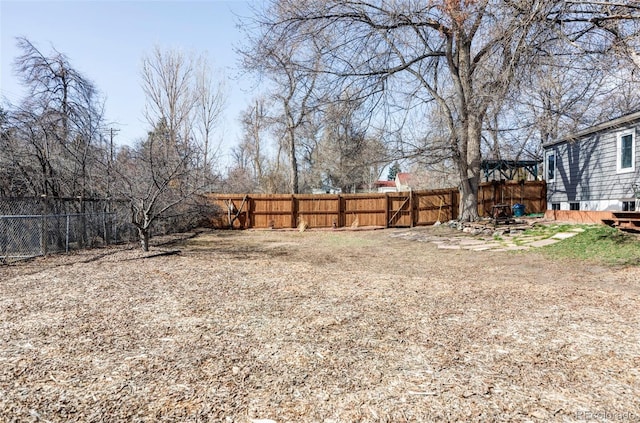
column 619, row 136
column 555, row 166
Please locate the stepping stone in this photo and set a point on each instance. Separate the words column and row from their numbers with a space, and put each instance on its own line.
column 448, row 247
column 517, row 247
column 564, row 235
column 471, row 242
column 544, row 242
column 526, row 238
column 480, row 248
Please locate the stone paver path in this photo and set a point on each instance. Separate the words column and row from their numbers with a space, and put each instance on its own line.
column 503, row 242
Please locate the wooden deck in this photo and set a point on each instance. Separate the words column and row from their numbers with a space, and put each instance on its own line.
column 628, row 221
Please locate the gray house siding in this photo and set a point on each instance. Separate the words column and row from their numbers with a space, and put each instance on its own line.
column 586, row 169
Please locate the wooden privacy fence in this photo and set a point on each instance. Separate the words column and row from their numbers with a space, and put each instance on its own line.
column 395, row 209
column 532, row 194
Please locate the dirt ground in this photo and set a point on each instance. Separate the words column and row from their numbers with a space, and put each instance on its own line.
column 317, row 327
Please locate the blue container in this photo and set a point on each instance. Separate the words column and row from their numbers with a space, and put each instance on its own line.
column 518, row 210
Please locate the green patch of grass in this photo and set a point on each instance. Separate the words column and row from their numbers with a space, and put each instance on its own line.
column 599, row 244
column 547, row 231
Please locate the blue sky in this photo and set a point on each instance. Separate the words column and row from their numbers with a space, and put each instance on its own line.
column 106, row 41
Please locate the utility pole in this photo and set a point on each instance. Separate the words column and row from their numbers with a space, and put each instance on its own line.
column 110, row 159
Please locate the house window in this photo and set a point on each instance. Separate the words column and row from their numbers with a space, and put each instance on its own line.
column 628, row 206
column 555, row 206
column 574, row 206
column 626, row 151
column 551, row 167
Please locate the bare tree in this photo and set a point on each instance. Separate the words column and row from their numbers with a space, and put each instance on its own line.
column 255, row 123
column 293, row 89
column 616, row 25
column 347, row 157
column 167, row 81
column 16, row 174
column 56, row 131
column 258, row 159
column 545, row 103
column 556, row 99
column 455, row 58
column 210, row 101
column 163, row 175
column 155, row 177
column 238, row 179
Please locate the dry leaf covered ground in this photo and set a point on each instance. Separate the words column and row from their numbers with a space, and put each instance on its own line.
column 317, row 327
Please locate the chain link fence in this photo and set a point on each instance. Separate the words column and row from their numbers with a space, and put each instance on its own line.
column 32, row 227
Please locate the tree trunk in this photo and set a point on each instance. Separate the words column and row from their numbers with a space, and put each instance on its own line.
column 468, row 211
column 144, row 238
column 470, row 172
column 294, row 164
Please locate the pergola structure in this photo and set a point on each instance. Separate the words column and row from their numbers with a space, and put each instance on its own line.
column 507, row 169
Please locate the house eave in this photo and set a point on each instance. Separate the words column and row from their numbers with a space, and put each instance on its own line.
column 611, row 124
